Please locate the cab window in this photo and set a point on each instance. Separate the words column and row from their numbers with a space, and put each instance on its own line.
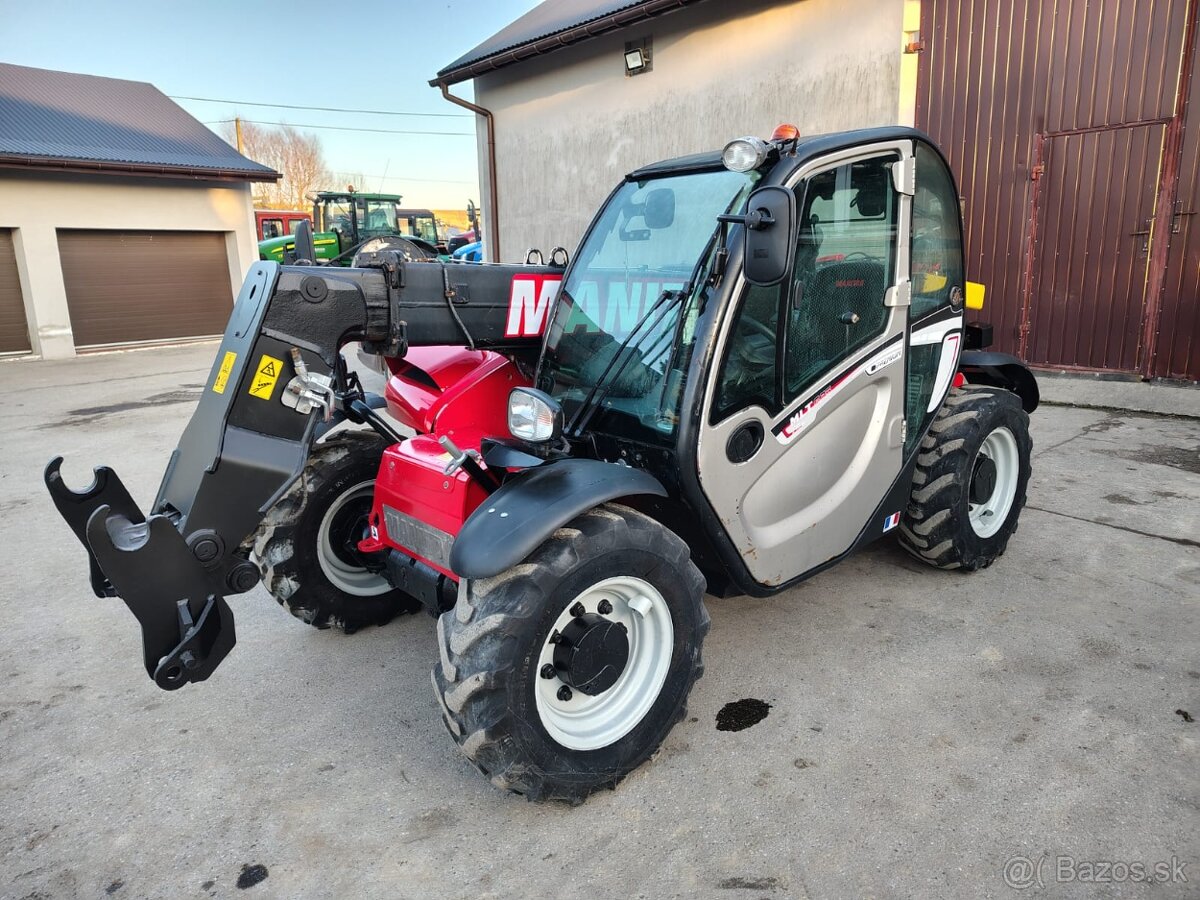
column 272, row 228
column 337, row 216
column 937, row 271
column 787, row 337
column 937, row 264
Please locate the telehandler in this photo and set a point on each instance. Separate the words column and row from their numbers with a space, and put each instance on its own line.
column 756, row 363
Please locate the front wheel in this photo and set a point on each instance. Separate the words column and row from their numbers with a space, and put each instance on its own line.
column 565, row 673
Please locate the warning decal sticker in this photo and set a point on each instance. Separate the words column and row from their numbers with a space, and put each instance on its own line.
column 222, row 378
column 265, row 376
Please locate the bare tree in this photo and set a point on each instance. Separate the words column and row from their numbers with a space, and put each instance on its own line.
column 294, row 154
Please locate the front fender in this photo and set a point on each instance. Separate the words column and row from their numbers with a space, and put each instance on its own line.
column 532, row 505
column 1001, row 370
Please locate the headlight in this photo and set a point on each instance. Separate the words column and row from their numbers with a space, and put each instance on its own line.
column 744, row 154
column 534, row 416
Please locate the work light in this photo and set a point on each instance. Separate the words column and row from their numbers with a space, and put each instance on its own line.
column 744, row 154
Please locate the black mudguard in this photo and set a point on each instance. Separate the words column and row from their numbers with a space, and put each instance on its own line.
column 534, row 504
column 1001, row 370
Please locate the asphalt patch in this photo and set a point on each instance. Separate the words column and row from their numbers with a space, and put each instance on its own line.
column 251, row 875
column 90, row 414
column 741, row 714
column 748, row 884
column 1186, row 459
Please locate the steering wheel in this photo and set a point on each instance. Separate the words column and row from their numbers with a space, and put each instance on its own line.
column 759, row 328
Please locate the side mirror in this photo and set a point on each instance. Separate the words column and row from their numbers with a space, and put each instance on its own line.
column 769, row 244
column 660, row 208
column 305, row 248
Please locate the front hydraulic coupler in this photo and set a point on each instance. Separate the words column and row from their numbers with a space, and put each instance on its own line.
column 270, row 387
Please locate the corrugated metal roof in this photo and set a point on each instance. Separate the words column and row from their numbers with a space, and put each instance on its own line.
column 568, row 20
column 60, row 120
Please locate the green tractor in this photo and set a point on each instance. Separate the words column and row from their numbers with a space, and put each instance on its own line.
column 344, row 221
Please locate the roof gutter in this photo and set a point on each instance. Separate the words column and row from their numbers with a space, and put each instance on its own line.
column 492, row 233
column 583, row 32
column 152, row 170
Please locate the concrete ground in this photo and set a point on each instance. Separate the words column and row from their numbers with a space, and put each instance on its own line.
column 929, row 732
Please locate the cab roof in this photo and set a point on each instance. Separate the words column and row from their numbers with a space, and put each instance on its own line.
column 358, row 195
column 807, row 147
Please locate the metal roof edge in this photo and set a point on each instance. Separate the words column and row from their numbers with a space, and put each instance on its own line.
column 105, row 167
column 549, row 43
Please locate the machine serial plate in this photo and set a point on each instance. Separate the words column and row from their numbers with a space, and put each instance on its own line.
column 422, row 539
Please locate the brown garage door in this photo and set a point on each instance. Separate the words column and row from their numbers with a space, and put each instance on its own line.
column 129, row 286
column 14, row 329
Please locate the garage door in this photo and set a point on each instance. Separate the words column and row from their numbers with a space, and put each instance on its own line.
column 14, row 329
column 125, row 287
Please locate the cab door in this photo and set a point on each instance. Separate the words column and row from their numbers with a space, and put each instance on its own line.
column 804, row 422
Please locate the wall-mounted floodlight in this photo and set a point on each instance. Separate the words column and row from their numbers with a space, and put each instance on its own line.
column 637, row 57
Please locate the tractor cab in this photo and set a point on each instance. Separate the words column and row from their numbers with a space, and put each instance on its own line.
column 355, row 217
column 345, row 221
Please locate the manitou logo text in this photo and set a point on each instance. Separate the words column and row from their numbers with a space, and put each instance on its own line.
column 528, row 304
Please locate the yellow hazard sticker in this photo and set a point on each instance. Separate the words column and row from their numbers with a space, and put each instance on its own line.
column 268, row 372
column 222, row 378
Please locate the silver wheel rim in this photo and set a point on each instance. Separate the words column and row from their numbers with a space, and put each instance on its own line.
column 342, row 575
column 988, row 517
column 589, row 723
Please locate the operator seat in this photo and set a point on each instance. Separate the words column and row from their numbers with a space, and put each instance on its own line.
column 817, row 336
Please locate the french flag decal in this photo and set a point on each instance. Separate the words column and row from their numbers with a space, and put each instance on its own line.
column 891, row 522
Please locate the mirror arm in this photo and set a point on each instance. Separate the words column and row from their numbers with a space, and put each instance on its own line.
column 755, row 220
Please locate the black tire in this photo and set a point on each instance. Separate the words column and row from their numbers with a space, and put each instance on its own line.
column 936, row 526
column 286, row 543
column 490, row 644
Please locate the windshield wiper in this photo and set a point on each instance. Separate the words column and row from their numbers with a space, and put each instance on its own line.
column 591, row 402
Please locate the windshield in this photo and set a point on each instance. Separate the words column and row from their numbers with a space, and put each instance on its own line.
column 652, row 238
column 423, row 227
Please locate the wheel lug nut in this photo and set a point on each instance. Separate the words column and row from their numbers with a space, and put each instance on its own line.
column 555, row 637
column 548, row 671
column 604, row 608
column 564, row 693
column 577, row 609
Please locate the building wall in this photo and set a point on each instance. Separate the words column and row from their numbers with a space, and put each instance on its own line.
column 570, row 124
column 36, row 205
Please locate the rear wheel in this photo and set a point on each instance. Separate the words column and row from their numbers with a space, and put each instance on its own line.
column 306, row 547
column 969, row 485
column 565, row 673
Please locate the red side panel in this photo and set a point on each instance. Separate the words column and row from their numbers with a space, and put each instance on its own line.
column 441, row 392
column 412, row 482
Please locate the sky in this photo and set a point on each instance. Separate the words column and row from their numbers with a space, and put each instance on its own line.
column 362, row 55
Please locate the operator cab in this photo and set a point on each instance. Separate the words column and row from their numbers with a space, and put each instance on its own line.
column 772, row 328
